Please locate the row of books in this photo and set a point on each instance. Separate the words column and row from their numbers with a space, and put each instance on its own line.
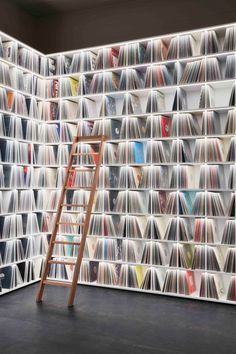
column 18, row 103
column 134, row 202
column 210, row 177
column 17, row 201
column 52, row 155
column 26, row 224
column 170, row 229
column 40, row 177
column 15, row 53
column 28, row 59
column 19, row 274
column 156, row 202
column 149, row 278
column 20, row 225
column 12, row 52
column 207, row 231
column 183, row 256
column 166, row 229
column 155, row 253
column 156, row 101
column 135, row 53
column 210, row 70
column 163, row 202
column 26, row 177
column 28, row 83
column 13, row 151
column 161, row 126
column 182, row 124
column 155, row 126
column 155, row 76
column 183, row 177
column 115, row 105
column 161, row 228
column 16, row 250
column 183, row 151
column 23, row 81
column 25, row 129
column 118, row 105
column 207, row 42
column 217, row 177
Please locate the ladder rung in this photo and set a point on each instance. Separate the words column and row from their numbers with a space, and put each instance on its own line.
column 85, row 153
column 57, row 283
column 70, row 223
column 76, row 169
column 52, row 261
column 78, row 165
column 79, row 187
column 67, row 243
column 84, row 188
column 66, row 234
column 75, row 205
column 92, row 138
column 76, row 212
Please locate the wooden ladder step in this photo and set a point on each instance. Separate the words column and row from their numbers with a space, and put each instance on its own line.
column 70, row 223
column 76, row 187
column 52, row 261
column 77, row 169
column 66, row 234
column 79, row 187
column 75, row 212
column 66, row 243
column 92, row 138
column 75, row 205
column 57, row 283
column 85, row 153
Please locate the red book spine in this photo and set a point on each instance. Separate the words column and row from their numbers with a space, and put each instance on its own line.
column 190, row 282
column 71, row 179
column 165, row 126
column 55, row 88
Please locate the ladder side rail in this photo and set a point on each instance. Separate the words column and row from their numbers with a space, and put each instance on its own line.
column 86, row 226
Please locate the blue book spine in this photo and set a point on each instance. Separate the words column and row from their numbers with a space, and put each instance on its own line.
column 138, row 153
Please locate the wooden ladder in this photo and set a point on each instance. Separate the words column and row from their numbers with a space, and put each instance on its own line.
column 71, row 169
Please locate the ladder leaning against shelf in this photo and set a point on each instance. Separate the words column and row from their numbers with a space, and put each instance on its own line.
column 73, row 169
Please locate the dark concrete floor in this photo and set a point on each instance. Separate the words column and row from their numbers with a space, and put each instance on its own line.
column 111, row 321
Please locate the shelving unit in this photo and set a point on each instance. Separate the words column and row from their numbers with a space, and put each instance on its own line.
column 22, row 245
column 164, row 219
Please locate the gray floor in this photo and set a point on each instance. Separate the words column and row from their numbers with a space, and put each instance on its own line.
column 111, row 321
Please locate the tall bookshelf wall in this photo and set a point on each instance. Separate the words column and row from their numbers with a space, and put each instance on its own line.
column 22, row 92
column 164, row 217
